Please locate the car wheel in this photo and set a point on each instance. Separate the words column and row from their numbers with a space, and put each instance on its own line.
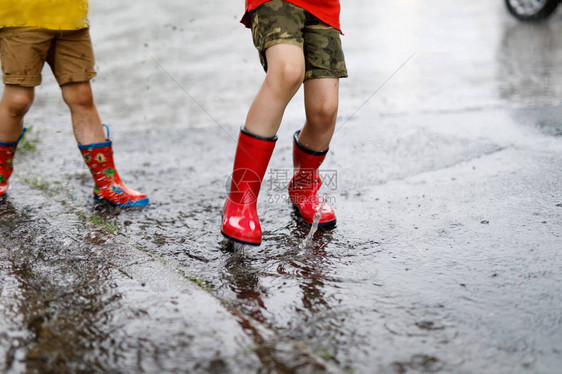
column 531, row 10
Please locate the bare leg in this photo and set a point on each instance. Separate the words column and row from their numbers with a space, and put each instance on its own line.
column 321, row 104
column 285, row 74
column 15, row 103
column 86, row 121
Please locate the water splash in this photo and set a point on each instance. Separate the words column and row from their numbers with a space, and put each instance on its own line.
column 238, row 250
column 317, row 216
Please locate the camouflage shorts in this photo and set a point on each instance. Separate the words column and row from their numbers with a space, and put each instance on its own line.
column 279, row 21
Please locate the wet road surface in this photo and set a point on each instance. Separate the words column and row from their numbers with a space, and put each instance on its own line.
column 444, row 172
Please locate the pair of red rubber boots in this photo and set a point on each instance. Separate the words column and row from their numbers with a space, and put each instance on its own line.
column 99, row 159
column 240, row 221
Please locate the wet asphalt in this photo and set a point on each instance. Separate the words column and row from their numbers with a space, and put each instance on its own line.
column 444, row 172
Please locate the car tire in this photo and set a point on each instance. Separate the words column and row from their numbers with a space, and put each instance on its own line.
column 537, row 13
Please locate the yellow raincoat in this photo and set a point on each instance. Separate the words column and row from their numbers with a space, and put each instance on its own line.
column 47, row 14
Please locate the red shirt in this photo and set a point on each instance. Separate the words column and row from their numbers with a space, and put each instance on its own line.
column 328, row 11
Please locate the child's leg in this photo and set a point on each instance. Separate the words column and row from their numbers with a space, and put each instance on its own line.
column 277, row 32
column 72, row 61
column 285, row 75
column 311, row 146
column 86, row 121
column 22, row 52
column 325, row 64
column 321, row 105
column 16, row 101
column 96, row 148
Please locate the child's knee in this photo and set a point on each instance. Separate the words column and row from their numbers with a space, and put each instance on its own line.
column 288, row 74
column 323, row 113
column 78, row 95
column 18, row 102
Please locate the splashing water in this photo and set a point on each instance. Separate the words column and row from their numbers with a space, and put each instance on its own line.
column 317, row 216
column 238, row 250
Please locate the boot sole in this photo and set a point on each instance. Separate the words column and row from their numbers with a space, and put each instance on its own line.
column 239, row 241
column 133, row 204
column 4, row 193
column 323, row 225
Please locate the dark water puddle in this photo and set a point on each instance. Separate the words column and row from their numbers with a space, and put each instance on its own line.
column 546, row 120
column 419, row 363
column 550, row 127
column 64, row 296
column 70, row 305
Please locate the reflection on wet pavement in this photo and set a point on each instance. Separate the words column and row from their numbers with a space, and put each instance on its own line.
column 62, row 301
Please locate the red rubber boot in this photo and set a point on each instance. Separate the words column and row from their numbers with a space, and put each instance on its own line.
column 240, row 221
column 108, row 184
column 303, row 188
column 7, row 152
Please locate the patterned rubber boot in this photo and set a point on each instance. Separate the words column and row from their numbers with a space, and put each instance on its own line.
column 108, row 184
column 304, row 186
column 7, row 152
column 240, row 221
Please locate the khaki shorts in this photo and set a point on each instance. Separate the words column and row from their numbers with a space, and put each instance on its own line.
column 24, row 51
column 278, row 21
